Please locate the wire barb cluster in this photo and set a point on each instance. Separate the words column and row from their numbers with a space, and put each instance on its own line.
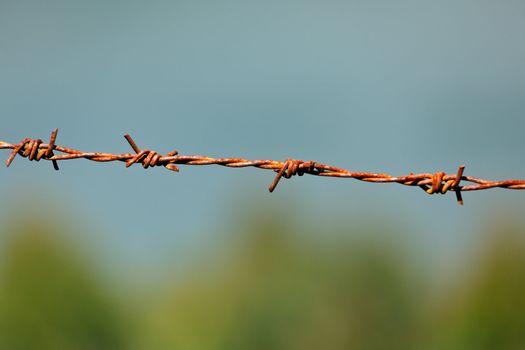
column 438, row 182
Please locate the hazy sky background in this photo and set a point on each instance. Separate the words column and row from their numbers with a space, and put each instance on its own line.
column 395, row 87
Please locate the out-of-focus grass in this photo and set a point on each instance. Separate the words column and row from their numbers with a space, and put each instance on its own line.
column 275, row 288
column 274, row 292
column 487, row 308
column 49, row 298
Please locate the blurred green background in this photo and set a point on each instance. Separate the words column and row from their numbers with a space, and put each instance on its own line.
column 97, row 256
column 272, row 283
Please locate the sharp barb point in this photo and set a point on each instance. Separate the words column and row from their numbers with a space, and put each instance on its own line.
column 132, row 143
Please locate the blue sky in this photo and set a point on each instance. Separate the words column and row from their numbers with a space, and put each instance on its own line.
column 395, row 87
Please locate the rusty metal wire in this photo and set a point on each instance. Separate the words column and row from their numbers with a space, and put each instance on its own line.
column 438, row 182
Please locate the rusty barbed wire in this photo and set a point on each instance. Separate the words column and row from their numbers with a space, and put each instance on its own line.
column 439, row 182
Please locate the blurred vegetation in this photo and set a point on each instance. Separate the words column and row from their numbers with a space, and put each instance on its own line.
column 273, row 287
column 49, row 298
column 487, row 309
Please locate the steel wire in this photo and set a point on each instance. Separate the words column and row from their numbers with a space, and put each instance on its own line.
column 431, row 183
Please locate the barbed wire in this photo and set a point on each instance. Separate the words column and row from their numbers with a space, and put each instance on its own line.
column 439, row 182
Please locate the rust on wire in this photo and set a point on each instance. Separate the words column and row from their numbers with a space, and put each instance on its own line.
column 438, row 182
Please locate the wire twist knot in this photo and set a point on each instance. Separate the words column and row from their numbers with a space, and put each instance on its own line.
column 441, row 185
column 34, row 150
column 149, row 158
column 293, row 167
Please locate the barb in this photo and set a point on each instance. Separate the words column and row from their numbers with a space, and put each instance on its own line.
column 438, row 182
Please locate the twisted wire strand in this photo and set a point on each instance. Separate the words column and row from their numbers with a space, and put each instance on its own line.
column 439, row 182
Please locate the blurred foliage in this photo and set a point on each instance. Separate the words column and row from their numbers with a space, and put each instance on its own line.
column 278, row 293
column 271, row 286
column 48, row 297
column 487, row 311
